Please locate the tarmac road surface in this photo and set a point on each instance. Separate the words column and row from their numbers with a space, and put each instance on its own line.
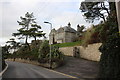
column 23, row 71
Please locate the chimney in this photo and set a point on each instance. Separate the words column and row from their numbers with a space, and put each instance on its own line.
column 78, row 26
column 69, row 25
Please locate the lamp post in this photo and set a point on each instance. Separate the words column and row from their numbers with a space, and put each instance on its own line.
column 50, row 44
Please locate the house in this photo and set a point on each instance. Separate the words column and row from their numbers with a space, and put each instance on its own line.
column 63, row 35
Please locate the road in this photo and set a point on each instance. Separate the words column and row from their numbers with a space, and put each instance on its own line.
column 23, row 70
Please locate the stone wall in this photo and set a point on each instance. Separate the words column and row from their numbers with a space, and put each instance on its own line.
column 67, row 51
column 90, row 52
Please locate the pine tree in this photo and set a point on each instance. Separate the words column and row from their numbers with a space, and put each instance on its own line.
column 94, row 10
column 29, row 28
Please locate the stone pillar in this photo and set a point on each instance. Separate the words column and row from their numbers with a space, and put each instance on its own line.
column 118, row 13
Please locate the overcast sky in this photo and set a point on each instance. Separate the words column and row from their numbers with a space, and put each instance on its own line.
column 58, row 12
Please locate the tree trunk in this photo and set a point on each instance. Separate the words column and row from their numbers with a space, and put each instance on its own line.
column 35, row 38
column 27, row 43
column 35, row 41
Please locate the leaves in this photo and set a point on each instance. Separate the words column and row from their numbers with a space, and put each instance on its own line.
column 94, row 11
column 110, row 57
column 29, row 28
column 44, row 50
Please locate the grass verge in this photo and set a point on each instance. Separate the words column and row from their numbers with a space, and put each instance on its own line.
column 70, row 44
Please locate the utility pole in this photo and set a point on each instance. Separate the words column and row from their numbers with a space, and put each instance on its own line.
column 118, row 13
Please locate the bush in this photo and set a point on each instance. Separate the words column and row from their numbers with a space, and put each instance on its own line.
column 86, row 36
column 43, row 51
column 110, row 57
column 55, row 54
column 23, row 52
column 57, row 57
column 94, row 38
column 91, row 35
column 2, row 54
column 104, row 32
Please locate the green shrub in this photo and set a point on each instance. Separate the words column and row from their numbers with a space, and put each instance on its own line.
column 87, row 36
column 57, row 57
column 104, row 32
column 44, row 54
column 23, row 53
column 55, row 54
column 91, row 35
column 34, row 54
column 43, row 51
column 110, row 57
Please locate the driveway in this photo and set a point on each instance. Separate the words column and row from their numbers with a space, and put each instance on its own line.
column 80, row 68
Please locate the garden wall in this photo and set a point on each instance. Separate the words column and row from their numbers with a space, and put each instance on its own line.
column 90, row 52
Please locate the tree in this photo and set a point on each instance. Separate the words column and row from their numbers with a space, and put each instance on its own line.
column 35, row 31
column 109, row 62
column 110, row 48
column 29, row 28
column 94, row 10
column 13, row 44
column 5, row 49
column 25, row 23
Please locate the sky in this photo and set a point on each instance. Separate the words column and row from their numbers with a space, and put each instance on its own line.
column 57, row 12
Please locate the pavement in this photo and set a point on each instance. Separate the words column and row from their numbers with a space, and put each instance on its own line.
column 17, row 70
column 80, row 68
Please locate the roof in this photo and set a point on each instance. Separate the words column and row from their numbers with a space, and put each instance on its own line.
column 69, row 29
column 53, row 31
column 66, row 29
column 61, row 29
